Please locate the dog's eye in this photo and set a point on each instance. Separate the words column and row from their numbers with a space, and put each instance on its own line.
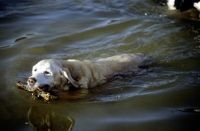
column 35, row 69
column 47, row 73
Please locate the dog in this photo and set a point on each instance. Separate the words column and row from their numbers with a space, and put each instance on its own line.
column 62, row 75
column 182, row 5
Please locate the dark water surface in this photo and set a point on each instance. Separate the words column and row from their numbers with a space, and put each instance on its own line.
column 91, row 29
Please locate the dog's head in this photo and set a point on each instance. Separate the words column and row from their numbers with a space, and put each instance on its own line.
column 50, row 73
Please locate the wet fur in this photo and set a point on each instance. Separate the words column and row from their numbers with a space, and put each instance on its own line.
column 84, row 74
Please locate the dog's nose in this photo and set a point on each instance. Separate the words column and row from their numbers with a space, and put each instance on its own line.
column 32, row 80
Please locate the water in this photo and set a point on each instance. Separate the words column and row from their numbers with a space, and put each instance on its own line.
column 153, row 100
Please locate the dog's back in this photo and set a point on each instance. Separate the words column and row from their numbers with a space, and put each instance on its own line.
column 94, row 73
column 122, row 63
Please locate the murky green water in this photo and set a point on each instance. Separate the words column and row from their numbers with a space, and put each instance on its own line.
column 92, row 29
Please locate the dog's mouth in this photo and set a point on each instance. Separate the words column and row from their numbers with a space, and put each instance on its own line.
column 45, row 87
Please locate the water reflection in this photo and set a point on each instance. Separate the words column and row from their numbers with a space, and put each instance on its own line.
column 44, row 119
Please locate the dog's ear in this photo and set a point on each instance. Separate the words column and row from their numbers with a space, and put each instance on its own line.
column 66, row 73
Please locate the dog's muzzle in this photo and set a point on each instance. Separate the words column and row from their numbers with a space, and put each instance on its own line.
column 32, row 83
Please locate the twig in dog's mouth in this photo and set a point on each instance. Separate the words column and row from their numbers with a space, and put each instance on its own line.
column 36, row 91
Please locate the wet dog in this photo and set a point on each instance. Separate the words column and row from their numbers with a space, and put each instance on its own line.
column 65, row 74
